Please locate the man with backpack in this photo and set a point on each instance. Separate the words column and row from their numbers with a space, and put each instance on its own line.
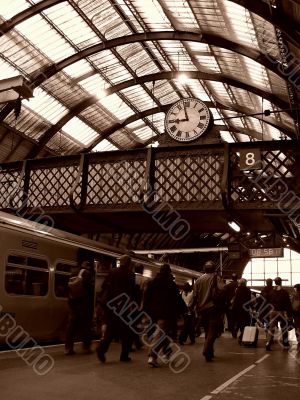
column 81, row 304
column 208, row 303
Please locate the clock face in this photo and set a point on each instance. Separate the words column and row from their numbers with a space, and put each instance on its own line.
column 187, row 119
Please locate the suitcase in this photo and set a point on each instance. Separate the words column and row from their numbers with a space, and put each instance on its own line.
column 250, row 336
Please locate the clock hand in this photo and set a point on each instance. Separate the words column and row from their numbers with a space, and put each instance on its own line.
column 185, row 113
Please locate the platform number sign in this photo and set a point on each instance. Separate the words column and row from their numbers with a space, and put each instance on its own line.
column 250, row 159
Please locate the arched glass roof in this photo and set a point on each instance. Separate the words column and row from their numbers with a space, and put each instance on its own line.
column 104, row 72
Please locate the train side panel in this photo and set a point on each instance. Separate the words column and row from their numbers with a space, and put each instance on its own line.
column 27, row 287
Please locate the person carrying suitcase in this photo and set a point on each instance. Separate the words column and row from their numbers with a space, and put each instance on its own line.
column 240, row 308
column 282, row 312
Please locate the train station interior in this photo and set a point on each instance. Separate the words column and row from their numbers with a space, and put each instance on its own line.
column 86, row 94
column 168, row 129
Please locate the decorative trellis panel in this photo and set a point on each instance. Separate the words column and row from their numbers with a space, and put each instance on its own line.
column 192, row 177
column 11, row 189
column 50, row 187
column 263, row 187
column 116, row 182
column 189, row 178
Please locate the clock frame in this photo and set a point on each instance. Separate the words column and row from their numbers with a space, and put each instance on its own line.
column 187, row 119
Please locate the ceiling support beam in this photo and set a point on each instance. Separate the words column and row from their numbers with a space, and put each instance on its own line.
column 149, row 78
column 213, row 40
column 26, row 14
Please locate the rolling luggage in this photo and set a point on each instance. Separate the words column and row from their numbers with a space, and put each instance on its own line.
column 250, row 336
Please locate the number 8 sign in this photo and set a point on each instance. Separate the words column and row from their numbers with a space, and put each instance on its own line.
column 250, row 159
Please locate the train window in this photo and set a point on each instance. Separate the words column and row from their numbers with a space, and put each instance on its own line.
column 62, row 275
column 19, row 260
column 37, row 262
column 26, row 276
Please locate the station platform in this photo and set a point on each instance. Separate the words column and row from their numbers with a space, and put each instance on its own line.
column 236, row 373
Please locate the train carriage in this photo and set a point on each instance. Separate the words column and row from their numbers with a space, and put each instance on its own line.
column 35, row 265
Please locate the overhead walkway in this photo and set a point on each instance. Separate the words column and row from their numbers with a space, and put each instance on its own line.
column 255, row 184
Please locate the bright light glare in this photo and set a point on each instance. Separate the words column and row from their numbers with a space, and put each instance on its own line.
column 182, row 78
column 233, row 225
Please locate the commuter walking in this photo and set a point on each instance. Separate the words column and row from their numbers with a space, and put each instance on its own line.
column 163, row 303
column 81, row 307
column 206, row 306
column 230, row 289
column 281, row 313
column 296, row 310
column 263, row 305
column 241, row 307
column 120, row 282
column 188, row 329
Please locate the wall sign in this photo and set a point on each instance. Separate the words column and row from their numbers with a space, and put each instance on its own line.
column 266, row 252
column 250, row 159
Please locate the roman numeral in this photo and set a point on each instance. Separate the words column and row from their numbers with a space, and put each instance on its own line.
column 203, row 117
column 173, row 128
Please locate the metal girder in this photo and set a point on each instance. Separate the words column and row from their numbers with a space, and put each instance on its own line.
column 287, row 26
column 213, row 40
column 149, row 78
column 26, row 14
column 46, row 73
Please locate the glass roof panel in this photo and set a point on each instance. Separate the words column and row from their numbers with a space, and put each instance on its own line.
column 104, row 145
column 141, row 130
column 227, row 136
column 219, row 90
column 116, row 106
column 46, row 106
column 45, row 38
column 67, row 20
column 152, row 14
column 29, row 123
column 79, row 131
column 216, row 116
column 95, row 85
column 12, row 7
column 78, row 69
column 198, row 89
column 240, row 23
column 6, row 70
column 139, row 97
column 158, row 120
column 110, row 67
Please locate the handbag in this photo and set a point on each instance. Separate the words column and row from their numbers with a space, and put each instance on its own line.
column 76, row 286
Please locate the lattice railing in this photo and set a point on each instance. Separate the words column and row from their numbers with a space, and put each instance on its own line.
column 264, row 187
column 187, row 177
column 193, row 177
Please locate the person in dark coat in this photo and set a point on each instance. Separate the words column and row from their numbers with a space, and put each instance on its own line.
column 282, row 312
column 207, row 308
column 296, row 310
column 240, row 307
column 120, row 281
column 263, row 304
column 188, row 329
column 163, row 303
column 230, row 290
column 81, row 311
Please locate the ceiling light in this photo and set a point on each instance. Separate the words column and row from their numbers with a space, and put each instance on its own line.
column 182, row 78
column 235, row 226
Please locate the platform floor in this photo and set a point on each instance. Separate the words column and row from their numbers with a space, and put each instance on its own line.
column 236, row 373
